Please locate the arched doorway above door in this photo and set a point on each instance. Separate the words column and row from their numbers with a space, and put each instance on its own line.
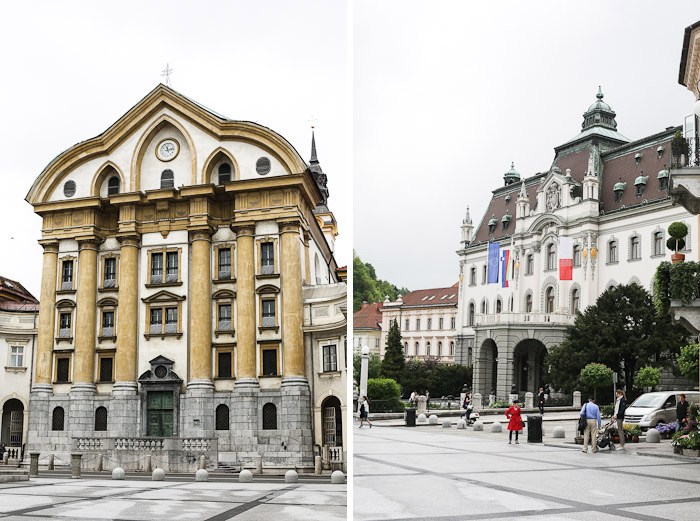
column 12, row 423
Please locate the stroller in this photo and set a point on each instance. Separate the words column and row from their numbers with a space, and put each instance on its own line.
column 605, row 435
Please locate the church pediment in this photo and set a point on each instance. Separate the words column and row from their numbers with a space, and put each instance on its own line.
column 557, row 191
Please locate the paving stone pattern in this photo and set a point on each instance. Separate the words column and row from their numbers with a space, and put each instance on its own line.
column 102, row 500
column 428, row 474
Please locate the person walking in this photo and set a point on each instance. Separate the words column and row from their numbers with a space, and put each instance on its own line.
column 591, row 412
column 515, row 421
column 412, row 401
column 540, row 400
column 427, row 399
column 681, row 412
column 364, row 412
column 619, row 415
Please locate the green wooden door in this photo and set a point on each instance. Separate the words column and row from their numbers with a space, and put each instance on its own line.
column 160, row 413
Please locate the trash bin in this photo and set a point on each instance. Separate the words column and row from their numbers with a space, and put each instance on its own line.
column 534, row 428
column 410, row 416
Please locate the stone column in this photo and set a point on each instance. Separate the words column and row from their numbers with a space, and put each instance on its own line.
column 245, row 299
column 86, row 318
column 307, row 260
column 292, row 314
column 200, row 310
column 47, row 317
column 127, row 319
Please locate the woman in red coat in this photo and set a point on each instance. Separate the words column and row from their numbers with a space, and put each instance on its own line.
column 515, row 423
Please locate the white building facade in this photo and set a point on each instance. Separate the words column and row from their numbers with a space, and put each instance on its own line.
column 610, row 196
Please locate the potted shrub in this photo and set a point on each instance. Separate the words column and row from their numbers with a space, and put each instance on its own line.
column 632, row 432
column 677, row 230
column 680, row 149
column 666, row 430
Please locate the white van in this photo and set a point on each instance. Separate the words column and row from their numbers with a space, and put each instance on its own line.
column 651, row 409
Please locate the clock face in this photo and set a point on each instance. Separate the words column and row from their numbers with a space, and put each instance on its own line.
column 167, row 149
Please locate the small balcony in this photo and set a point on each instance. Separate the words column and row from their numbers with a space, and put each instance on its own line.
column 518, row 319
column 684, row 186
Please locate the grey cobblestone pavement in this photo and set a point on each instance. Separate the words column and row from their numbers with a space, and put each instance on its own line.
column 439, row 474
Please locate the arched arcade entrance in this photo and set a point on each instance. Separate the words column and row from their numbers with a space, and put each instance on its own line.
column 529, row 372
column 12, row 423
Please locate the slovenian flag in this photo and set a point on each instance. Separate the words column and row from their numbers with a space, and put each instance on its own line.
column 505, row 268
column 492, row 275
column 566, row 258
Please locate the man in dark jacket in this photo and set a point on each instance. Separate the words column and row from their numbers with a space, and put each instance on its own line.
column 619, row 414
column 541, row 400
column 681, row 412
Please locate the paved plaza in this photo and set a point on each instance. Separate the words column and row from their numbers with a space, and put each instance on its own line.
column 130, row 500
column 435, row 474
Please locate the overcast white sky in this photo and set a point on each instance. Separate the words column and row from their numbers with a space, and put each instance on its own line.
column 447, row 94
column 71, row 69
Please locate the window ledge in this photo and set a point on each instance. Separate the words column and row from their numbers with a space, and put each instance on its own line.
column 106, row 290
column 612, row 262
column 107, row 338
column 68, row 339
column 104, row 381
column 260, row 276
column 220, row 332
column 636, row 259
column 61, row 383
column 65, row 291
column 276, row 329
column 223, row 281
column 657, row 255
column 162, row 335
column 163, row 284
column 15, row 369
column 225, row 378
column 269, row 376
column 327, row 375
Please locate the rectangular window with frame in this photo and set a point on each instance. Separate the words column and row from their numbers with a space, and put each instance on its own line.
column 267, row 258
column 418, row 324
column 16, row 356
column 156, row 322
column 105, row 369
column 171, row 320
column 64, row 330
column 430, row 324
column 224, row 318
column 67, row 275
column 577, row 256
column 440, row 323
column 171, row 269
column 110, row 272
column 63, row 369
column 406, row 322
column 330, row 358
column 453, row 322
column 224, row 259
column 224, row 364
column 658, row 244
column 156, row 268
column 268, row 313
column 529, row 265
column 108, row 323
column 269, row 361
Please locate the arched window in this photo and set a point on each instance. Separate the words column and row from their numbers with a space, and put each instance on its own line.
column 575, row 300
column 635, row 248
column 577, row 255
column 269, row 417
column 452, row 349
column 612, row 251
column 440, row 353
column 224, row 173
column 405, row 348
column 549, row 300
column 551, row 257
column 483, row 307
column 58, row 419
column 416, row 346
column 167, row 179
column 528, row 303
column 101, row 419
column 113, row 185
column 427, row 348
column 471, row 314
column 659, row 243
column 222, row 420
column 498, row 305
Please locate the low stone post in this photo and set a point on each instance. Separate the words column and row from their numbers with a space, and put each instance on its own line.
column 577, row 399
column 148, row 465
column 318, row 465
column 50, row 465
column 6, row 457
column 422, row 405
column 258, row 464
column 34, row 463
column 99, row 465
column 529, row 400
column 202, row 462
column 477, row 401
column 75, row 460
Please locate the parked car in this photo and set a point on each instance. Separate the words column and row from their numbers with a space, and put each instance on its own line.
column 651, row 409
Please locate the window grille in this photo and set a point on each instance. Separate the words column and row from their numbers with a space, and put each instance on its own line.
column 269, row 416
column 58, row 419
column 101, row 419
column 222, row 418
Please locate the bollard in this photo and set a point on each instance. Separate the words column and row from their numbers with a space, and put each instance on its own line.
column 50, row 465
column 653, row 436
column 75, row 460
column 529, row 400
column 318, row 467
column 34, row 463
column 201, row 475
column 202, row 462
column 496, row 427
column 337, row 477
column 422, row 419
column 558, row 432
column 118, row 473
column 245, row 476
column 148, row 465
column 477, row 401
column 446, row 424
column 433, row 419
column 158, row 475
column 6, row 457
column 577, row 399
column 478, row 425
column 461, row 424
column 291, row 476
column 99, row 465
column 258, row 464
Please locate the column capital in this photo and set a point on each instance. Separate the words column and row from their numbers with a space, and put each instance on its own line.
column 129, row 240
column 244, row 229
column 200, row 235
column 92, row 243
column 289, row 226
column 49, row 246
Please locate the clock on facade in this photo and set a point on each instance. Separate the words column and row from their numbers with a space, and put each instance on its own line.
column 167, row 149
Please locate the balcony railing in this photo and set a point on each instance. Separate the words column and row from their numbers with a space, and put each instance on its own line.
column 503, row 319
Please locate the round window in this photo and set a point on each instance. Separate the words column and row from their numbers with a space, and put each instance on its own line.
column 161, row 371
column 262, row 166
column 69, row 189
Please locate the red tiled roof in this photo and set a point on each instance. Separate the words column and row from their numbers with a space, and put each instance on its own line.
column 432, row 297
column 13, row 291
column 369, row 316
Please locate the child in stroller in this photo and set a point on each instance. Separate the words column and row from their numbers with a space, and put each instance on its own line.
column 605, row 435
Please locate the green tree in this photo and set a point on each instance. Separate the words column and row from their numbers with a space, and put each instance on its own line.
column 648, row 377
column 366, row 286
column 384, row 395
column 373, row 368
column 596, row 375
column 622, row 331
column 688, row 363
column 394, row 361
